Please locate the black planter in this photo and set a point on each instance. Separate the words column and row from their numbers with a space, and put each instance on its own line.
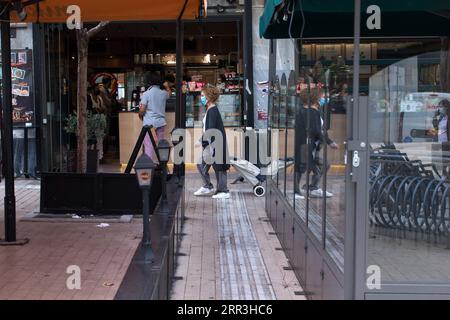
column 92, row 161
column 100, row 193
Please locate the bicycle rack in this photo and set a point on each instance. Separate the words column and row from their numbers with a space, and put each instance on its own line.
column 405, row 196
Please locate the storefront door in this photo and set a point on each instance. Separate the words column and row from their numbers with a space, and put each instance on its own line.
column 408, row 221
column 400, row 152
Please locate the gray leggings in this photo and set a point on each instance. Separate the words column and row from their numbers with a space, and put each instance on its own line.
column 221, row 176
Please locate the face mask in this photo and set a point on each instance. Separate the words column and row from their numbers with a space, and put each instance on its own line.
column 203, row 100
column 322, row 101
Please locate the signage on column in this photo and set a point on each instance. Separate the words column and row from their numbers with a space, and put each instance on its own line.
column 22, row 82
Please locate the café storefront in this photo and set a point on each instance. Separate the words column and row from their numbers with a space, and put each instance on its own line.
column 380, row 227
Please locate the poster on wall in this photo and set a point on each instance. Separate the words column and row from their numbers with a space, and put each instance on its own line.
column 22, row 86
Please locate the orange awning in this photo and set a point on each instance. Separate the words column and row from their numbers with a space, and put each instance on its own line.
column 55, row 11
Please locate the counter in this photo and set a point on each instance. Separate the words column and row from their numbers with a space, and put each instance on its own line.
column 130, row 127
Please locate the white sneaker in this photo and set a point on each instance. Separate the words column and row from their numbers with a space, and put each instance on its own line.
column 204, row 192
column 299, row 196
column 319, row 193
column 222, row 195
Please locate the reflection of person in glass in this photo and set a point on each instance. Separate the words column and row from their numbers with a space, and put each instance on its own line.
column 441, row 125
column 307, row 156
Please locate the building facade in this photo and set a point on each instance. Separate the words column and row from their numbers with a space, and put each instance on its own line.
column 378, row 228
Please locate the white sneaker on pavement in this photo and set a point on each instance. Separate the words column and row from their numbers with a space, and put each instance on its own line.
column 222, row 195
column 318, row 193
column 299, row 196
column 204, row 192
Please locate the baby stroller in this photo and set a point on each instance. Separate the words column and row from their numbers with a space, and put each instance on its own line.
column 251, row 174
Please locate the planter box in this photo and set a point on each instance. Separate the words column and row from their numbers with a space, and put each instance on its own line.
column 95, row 193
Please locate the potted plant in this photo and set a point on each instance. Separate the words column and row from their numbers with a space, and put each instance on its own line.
column 96, row 130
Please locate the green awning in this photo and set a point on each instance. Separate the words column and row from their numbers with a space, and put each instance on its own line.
column 331, row 18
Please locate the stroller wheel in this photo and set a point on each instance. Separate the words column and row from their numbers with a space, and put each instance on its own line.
column 259, row 191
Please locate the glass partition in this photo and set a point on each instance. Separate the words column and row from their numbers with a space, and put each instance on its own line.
column 282, row 116
column 409, row 105
column 292, row 104
column 274, row 125
column 318, row 179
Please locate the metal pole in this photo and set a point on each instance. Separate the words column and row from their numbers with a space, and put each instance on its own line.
column 8, row 157
column 146, row 241
column 180, row 110
column 179, row 75
column 25, row 153
column 248, row 62
column 164, row 181
column 37, row 78
column 350, row 282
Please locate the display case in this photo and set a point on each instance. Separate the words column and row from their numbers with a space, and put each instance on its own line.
column 229, row 105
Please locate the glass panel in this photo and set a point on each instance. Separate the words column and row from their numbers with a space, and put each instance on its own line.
column 274, row 121
column 409, row 214
column 335, row 105
column 309, row 132
column 282, row 135
column 290, row 141
column 312, row 186
column 323, row 157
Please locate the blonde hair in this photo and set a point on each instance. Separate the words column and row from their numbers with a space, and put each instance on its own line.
column 211, row 93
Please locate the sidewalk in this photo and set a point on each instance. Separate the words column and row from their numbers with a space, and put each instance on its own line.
column 38, row 269
column 228, row 252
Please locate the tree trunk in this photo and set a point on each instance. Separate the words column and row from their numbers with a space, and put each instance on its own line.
column 83, row 43
column 83, row 36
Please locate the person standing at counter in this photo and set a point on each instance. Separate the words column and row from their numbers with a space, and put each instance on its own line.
column 213, row 121
column 153, row 110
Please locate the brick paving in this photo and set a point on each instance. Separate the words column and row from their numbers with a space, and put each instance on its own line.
column 38, row 269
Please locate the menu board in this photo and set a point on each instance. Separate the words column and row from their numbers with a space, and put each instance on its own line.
column 22, row 81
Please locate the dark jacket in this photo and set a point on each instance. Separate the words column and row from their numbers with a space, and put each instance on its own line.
column 214, row 121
